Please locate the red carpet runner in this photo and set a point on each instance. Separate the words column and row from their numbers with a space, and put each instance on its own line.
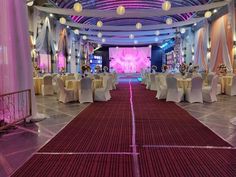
column 102, row 142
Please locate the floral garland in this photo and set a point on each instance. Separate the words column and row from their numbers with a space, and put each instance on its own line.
column 222, row 68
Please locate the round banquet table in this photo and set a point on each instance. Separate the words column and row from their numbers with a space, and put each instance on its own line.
column 224, row 81
column 38, row 81
column 184, row 83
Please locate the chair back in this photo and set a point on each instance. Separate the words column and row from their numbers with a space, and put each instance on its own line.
column 69, row 74
column 86, row 83
column 234, row 83
column 60, row 84
column 152, row 78
column 47, row 80
column 210, row 77
column 214, row 85
column 171, row 83
column 105, row 82
column 196, row 83
column 96, row 76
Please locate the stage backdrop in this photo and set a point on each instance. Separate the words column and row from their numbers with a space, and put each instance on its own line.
column 129, row 60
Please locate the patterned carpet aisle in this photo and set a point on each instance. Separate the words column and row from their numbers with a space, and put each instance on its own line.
column 99, row 142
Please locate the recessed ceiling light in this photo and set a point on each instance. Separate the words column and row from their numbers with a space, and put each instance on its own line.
column 131, row 36
column 62, row 20
column 78, row 7
column 139, row 25
column 157, row 32
column 120, row 10
column 166, row 5
column 99, row 24
column 99, row 34
column 169, row 21
column 51, row 15
column 84, row 37
column 103, row 40
column 215, row 10
column 208, row 14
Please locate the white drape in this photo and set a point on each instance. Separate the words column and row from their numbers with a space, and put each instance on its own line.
column 15, row 60
column 220, row 37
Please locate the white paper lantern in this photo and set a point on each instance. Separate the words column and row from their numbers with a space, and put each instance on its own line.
column 62, row 20
column 139, row 25
column 84, row 37
column 208, row 14
column 78, row 7
column 131, row 36
column 157, row 33
column 169, row 21
column 99, row 24
column 99, row 34
column 120, row 10
column 76, row 31
column 166, row 5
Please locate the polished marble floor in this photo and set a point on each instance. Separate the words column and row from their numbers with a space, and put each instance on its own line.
column 18, row 144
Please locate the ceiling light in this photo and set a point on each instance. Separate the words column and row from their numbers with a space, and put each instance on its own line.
column 78, row 7
column 139, row 25
column 150, row 46
column 99, row 24
column 99, row 46
column 30, row 3
column 208, row 14
column 166, row 5
column 195, row 24
column 169, row 21
column 99, row 34
column 117, row 47
column 67, row 26
column 84, row 37
column 156, row 39
column 120, row 10
column 135, row 42
column 215, row 10
column 103, row 40
column 51, row 15
column 131, row 36
column 76, row 31
column 182, row 30
column 62, row 20
column 157, row 32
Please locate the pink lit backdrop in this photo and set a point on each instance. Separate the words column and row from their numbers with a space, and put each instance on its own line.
column 129, row 60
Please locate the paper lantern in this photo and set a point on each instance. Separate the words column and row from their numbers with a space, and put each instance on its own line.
column 208, row 14
column 99, row 35
column 76, row 31
column 139, row 25
column 157, row 33
column 78, row 7
column 120, row 10
column 62, row 20
column 99, row 24
column 131, row 36
column 84, row 37
column 166, row 5
column 169, row 21
column 103, row 40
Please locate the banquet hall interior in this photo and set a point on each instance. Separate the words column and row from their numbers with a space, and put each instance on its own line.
column 118, row 88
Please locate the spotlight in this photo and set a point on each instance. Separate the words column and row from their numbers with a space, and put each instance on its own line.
column 166, row 5
column 78, row 7
column 99, row 24
column 62, row 20
column 139, row 25
column 120, row 10
column 208, row 14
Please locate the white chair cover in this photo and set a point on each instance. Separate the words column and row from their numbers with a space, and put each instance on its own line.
column 153, row 85
column 86, row 91
column 231, row 88
column 194, row 94
column 161, row 87
column 65, row 95
column 209, row 92
column 174, row 93
column 47, row 87
column 103, row 94
column 109, row 81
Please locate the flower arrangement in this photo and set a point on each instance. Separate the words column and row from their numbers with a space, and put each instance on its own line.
column 196, row 68
column 85, row 67
column 62, row 70
column 36, row 67
column 98, row 68
column 164, row 68
column 105, row 68
column 222, row 69
column 183, row 68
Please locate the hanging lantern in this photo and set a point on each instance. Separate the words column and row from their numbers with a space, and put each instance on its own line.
column 169, row 21
column 78, row 7
column 208, row 14
column 76, row 31
column 62, row 20
column 166, row 5
column 131, row 36
column 120, row 10
column 139, row 25
column 99, row 34
column 99, row 24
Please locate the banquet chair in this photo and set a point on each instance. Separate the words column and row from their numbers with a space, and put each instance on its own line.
column 194, row 94
column 65, row 95
column 231, row 88
column 174, row 93
column 54, row 83
column 109, row 82
column 102, row 94
column 96, row 76
column 113, row 81
column 209, row 92
column 153, row 85
column 86, row 91
column 148, row 81
column 77, row 76
column 209, row 80
column 161, row 87
column 47, row 87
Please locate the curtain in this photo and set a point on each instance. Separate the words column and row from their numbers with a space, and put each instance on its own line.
column 200, row 48
column 15, row 61
column 221, row 44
